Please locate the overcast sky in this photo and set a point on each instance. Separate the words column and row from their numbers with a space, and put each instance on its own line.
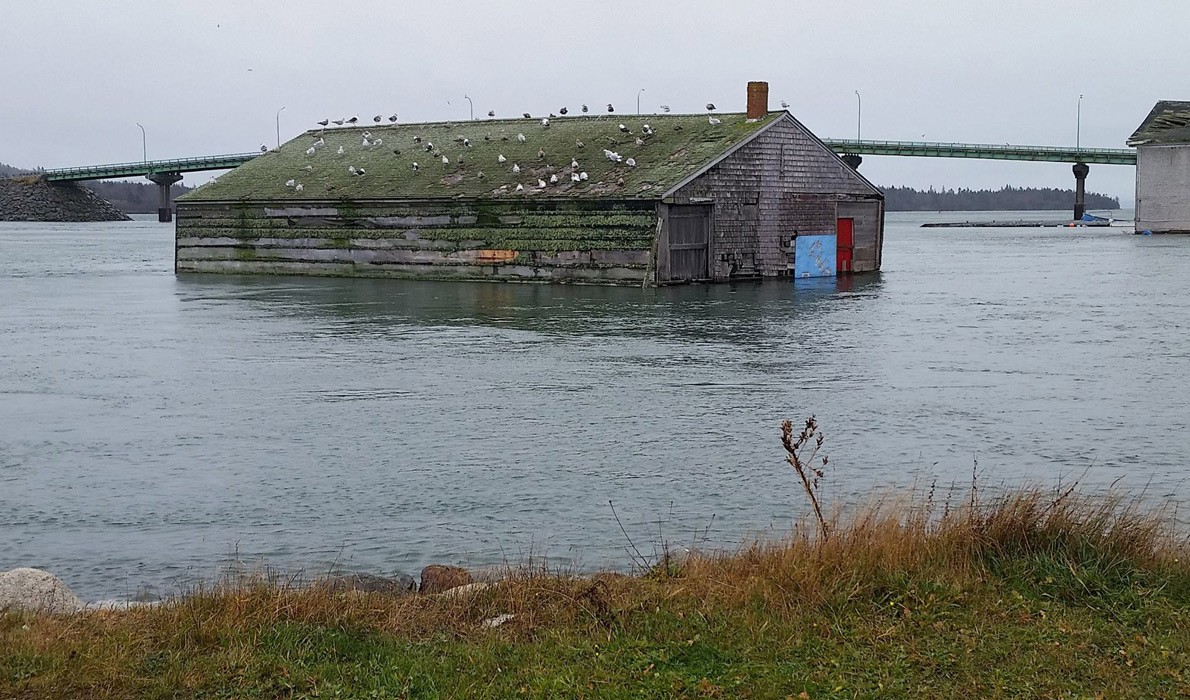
column 208, row 77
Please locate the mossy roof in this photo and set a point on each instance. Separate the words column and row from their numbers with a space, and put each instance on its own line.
column 679, row 147
column 1168, row 123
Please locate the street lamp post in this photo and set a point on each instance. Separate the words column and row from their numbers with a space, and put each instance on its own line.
column 638, row 100
column 144, row 145
column 859, row 115
column 1078, row 124
column 472, row 105
column 279, row 127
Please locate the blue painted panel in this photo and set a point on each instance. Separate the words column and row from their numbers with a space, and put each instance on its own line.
column 814, row 256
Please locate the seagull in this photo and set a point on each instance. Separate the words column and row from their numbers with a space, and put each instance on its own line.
column 573, row 163
column 639, row 142
column 583, row 176
column 541, row 183
column 528, row 116
column 784, row 104
column 396, row 151
column 310, row 151
column 309, row 168
column 541, row 153
column 578, row 144
column 584, row 109
column 665, row 108
column 520, row 188
column 610, row 109
column 377, row 142
column 563, row 111
column 516, row 168
column 367, row 134
column 445, row 160
column 338, row 122
column 553, row 179
column 545, row 123
column 360, row 172
column 377, row 118
column 467, row 143
column 416, row 139
column 623, row 129
column 320, row 142
column 648, row 130
column 574, row 177
column 415, row 166
column 324, row 122
column 299, row 187
column 480, row 175
column 264, row 148
column 710, row 106
column 612, row 156
column 392, row 118
column 340, row 151
column 520, row 137
column 713, row 121
column 501, row 158
column 429, row 146
column 631, row 162
column 353, row 120
column 366, row 143
column 491, row 112
column 290, row 182
column 351, row 169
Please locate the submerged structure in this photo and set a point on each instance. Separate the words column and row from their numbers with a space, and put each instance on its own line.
column 1162, row 144
column 648, row 199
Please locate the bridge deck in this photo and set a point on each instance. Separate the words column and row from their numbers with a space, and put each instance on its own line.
column 177, row 165
column 1054, row 154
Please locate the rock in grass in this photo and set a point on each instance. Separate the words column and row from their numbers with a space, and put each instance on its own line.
column 38, row 591
column 437, row 578
column 399, row 585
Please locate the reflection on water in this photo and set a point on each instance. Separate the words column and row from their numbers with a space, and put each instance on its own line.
column 153, row 425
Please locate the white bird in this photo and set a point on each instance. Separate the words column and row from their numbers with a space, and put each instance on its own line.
column 573, row 163
column 351, row 169
column 612, row 156
column 541, row 183
column 647, row 129
column 320, row 142
column 415, row 166
column 480, row 175
column 516, row 168
column 367, row 134
column 784, row 104
column 554, row 179
column 445, row 160
column 360, row 172
column 578, row 144
column 299, row 187
column 290, row 182
column 366, row 143
column 665, row 108
column 583, row 176
column 310, row 151
column 416, row 139
column 631, row 162
column 520, row 137
column 467, row 143
column 713, row 121
column 545, row 122
column 520, row 188
column 377, row 142
column 710, row 106
column 541, row 153
column 340, row 151
column 574, row 177
column 623, row 129
column 639, row 142
column 501, row 158
column 309, row 168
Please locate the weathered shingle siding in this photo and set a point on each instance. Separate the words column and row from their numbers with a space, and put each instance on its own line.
column 1163, row 188
column 783, row 181
column 603, row 242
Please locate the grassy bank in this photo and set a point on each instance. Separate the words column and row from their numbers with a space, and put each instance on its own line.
column 1032, row 594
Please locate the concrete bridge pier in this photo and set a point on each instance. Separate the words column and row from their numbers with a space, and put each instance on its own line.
column 165, row 207
column 1080, row 189
column 853, row 160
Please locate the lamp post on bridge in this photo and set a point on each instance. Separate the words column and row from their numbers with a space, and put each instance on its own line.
column 1080, row 168
column 859, row 115
column 471, row 105
column 638, row 92
column 144, row 145
column 1078, row 124
column 279, row 127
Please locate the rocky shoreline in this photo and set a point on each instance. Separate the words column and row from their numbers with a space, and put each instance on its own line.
column 31, row 198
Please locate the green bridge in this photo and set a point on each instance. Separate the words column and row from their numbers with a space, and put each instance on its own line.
column 1052, row 154
column 167, row 172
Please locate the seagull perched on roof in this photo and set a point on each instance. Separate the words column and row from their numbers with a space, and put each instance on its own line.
column 429, row 146
column 639, row 142
column 353, row 120
column 320, row 142
column 377, row 118
column 784, row 104
column 623, row 129
column 574, row 177
column 583, row 176
column 578, row 144
column 367, row 134
column 392, row 118
column 554, row 179
column 545, row 123
column 528, row 116
column 713, row 121
column 541, row 153
column 359, row 171
column 366, row 143
column 501, row 158
column 516, row 168
column 416, row 139
column 324, row 122
column 351, row 169
column 541, row 183
column 340, row 151
column 445, row 160
column 610, row 109
column 491, row 112
column 612, row 156
column 520, row 137
column 665, row 108
column 631, row 162
column 290, row 182
column 573, row 163
column 520, row 188
column 647, row 129
column 467, row 143
column 299, row 187
column 263, row 148
column 308, row 168
column 377, row 141
column 584, row 109
column 338, row 122
column 710, row 106
column 310, row 151
column 415, row 166
column 396, row 151
column 563, row 111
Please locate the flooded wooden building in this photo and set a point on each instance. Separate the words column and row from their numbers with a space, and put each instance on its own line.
column 1162, row 144
column 649, row 199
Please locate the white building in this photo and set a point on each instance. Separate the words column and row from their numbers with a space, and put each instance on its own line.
column 1162, row 144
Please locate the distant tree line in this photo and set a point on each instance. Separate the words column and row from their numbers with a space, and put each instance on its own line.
column 128, row 197
column 1006, row 198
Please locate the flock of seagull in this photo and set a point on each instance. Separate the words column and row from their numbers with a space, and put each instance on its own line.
column 368, row 143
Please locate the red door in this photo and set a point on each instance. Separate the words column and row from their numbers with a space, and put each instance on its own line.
column 844, row 242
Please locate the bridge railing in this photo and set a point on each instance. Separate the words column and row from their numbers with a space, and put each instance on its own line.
column 1113, row 156
column 174, row 165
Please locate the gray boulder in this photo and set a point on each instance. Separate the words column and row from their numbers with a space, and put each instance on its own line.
column 36, row 591
column 399, row 585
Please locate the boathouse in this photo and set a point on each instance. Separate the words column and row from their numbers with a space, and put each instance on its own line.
column 614, row 199
column 1162, row 144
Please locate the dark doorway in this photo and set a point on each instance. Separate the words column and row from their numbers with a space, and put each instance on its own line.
column 689, row 242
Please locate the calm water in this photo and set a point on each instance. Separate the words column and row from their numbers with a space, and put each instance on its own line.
column 154, row 428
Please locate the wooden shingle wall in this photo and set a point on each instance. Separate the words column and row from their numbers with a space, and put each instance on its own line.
column 782, row 182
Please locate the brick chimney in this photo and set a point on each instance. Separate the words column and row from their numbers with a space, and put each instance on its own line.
column 758, row 99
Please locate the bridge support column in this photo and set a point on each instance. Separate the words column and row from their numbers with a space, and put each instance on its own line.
column 165, row 207
column 1080, row 189
column 853, row 160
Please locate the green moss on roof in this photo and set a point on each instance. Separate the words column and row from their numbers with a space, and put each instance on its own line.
column 1169, row 122
column 679, row 147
